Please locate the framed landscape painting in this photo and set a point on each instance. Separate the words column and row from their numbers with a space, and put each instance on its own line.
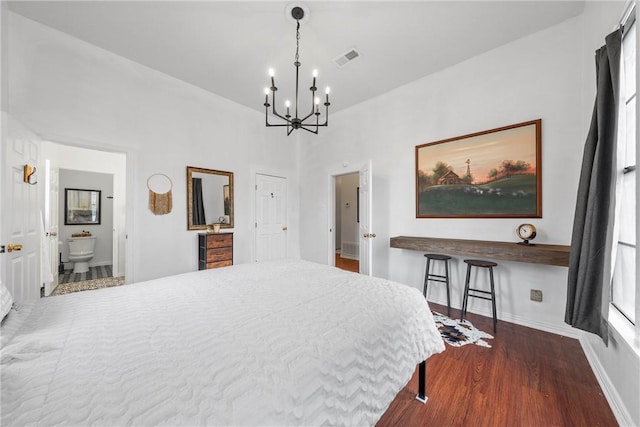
column 490, row 174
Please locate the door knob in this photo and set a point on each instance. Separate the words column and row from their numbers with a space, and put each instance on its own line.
column 372, row 235
column 365, row 235
column 11, row 247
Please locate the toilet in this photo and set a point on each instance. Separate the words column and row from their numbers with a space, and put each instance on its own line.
column 80, row 252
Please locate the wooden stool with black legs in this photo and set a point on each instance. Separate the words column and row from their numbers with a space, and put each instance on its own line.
column 479, row 293
column 429, row 276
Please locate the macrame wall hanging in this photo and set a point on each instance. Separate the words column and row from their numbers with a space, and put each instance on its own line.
column 160, row 200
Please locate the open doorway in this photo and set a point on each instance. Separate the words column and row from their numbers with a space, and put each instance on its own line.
column 85, row 178
column 347, row 246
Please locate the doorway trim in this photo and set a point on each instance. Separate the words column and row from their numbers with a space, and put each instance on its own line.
column 130, row 179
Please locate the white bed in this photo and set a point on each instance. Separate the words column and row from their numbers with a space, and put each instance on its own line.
column 276, row 343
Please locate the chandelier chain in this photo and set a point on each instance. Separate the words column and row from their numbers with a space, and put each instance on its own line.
column 298, row 41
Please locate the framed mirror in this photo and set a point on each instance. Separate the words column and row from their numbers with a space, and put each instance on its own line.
column 209, row 198
column 81, row 207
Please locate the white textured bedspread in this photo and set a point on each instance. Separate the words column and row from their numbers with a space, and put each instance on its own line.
column 276, row 343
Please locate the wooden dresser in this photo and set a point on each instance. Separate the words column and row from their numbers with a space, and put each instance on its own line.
column 215, row 250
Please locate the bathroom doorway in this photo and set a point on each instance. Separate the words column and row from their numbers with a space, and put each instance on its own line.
column 98, row 178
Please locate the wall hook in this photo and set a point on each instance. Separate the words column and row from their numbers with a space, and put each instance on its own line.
column 29, row 172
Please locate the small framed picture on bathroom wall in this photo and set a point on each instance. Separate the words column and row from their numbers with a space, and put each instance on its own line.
column 81, row 207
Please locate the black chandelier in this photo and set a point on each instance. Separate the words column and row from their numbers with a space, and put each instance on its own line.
column 295, row 122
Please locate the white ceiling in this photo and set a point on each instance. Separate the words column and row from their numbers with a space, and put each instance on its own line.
column 227, row 47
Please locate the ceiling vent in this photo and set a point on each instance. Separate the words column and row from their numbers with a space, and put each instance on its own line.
column 346, row 57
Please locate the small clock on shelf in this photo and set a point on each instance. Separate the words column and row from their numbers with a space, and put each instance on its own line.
column 526, row 232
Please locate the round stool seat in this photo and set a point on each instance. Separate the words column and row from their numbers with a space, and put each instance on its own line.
column 439, row 257
column 480, row 263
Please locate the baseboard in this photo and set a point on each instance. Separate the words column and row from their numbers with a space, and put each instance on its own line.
column 564, row 330
column 350, row 250
column 354, row 258
column 610, row 393
column 69, row 265
column 100, row 263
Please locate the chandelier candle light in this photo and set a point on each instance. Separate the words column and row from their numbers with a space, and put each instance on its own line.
column 296, row 122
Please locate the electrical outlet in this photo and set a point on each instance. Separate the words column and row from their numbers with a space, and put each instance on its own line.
column 536, row 295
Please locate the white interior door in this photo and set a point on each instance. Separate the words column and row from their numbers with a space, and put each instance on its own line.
column 366, row 220
column 51, row 225
column 270, row 223
column 20, row 231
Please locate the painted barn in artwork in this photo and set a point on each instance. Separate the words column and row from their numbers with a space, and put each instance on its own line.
column 450, row 178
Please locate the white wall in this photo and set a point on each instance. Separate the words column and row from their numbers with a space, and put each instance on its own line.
column 4, row 13
column 540, row 76
column 535, row 77
column 71, row 92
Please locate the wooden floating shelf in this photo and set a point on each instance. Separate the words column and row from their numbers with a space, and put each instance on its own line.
column 509, row 251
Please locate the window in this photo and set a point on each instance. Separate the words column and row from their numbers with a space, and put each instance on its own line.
column 623, row 286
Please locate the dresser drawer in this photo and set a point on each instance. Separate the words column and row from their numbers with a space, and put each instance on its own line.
column 219, row 254
column 219, row 240
column 219, row 264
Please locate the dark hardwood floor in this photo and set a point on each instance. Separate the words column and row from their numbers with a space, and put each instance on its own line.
column 347, row 264
column 527, row 378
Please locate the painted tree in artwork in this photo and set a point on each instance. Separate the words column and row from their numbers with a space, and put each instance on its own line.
column 424, row 180
column 440, row 169
column 511, row 167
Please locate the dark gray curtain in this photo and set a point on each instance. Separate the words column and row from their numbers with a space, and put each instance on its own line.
column 591, row 242
column 198, row 205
